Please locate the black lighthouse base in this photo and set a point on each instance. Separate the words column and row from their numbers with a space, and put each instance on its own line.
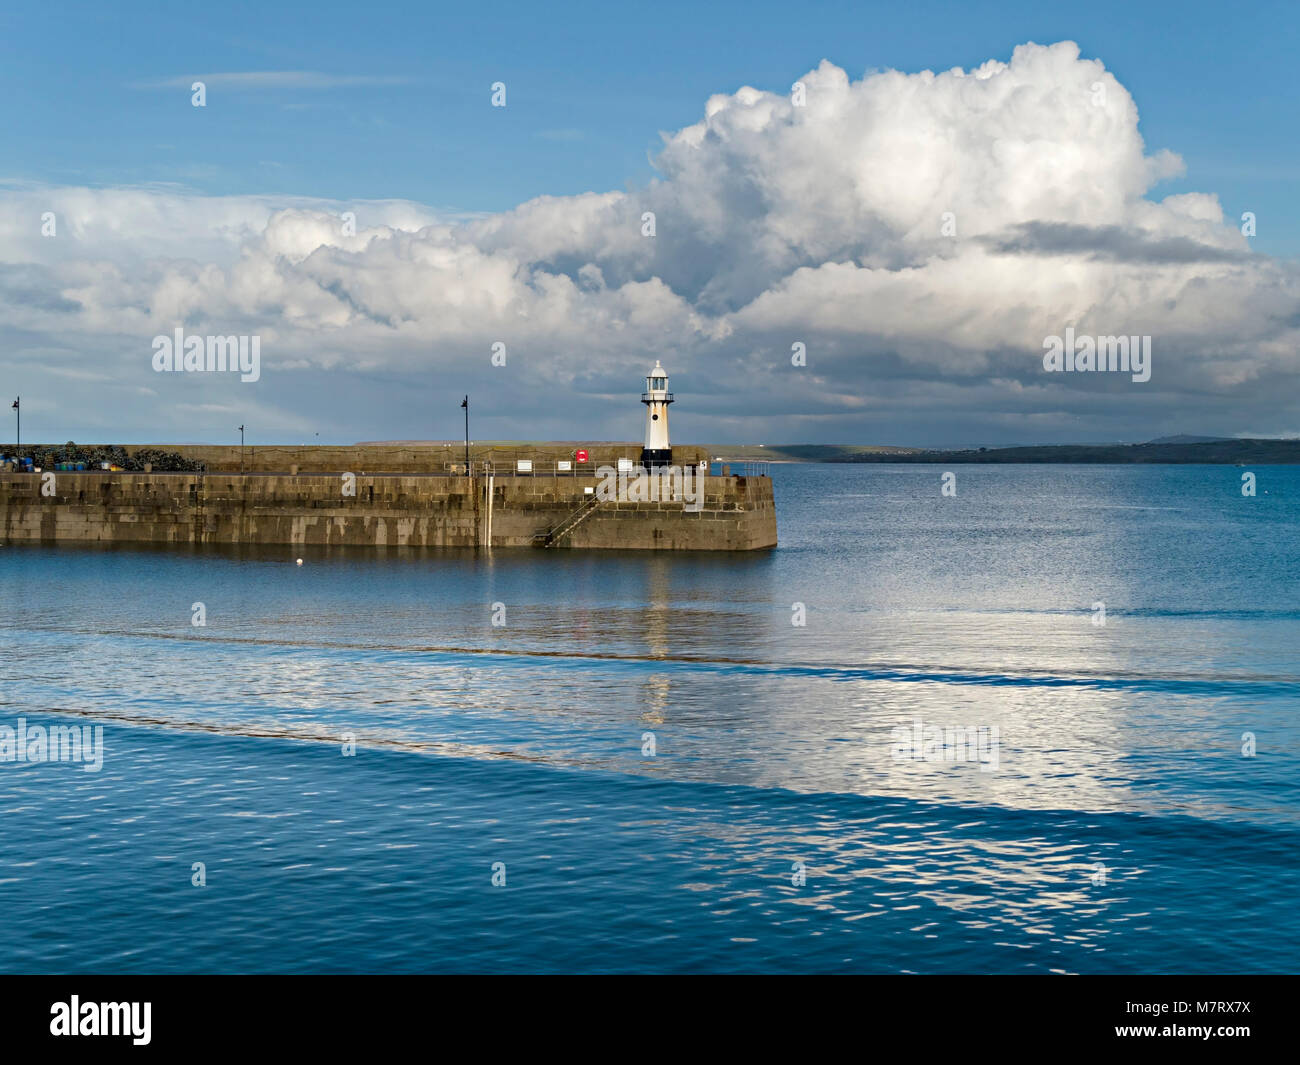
column 655, row 458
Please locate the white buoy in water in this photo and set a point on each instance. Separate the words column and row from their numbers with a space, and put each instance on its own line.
column 300, row 562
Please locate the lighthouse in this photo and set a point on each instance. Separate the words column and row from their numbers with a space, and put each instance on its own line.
column 656, row 398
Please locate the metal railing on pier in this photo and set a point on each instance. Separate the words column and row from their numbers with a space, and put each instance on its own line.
column 524, row 468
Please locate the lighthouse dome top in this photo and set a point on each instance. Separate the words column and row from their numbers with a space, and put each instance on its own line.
column 658, row 370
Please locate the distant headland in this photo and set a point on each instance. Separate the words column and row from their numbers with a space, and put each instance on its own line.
column 1190, row 450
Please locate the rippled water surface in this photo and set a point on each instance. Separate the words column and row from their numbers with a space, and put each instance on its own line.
column 1121, row 829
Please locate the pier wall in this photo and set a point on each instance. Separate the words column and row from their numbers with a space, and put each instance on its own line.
column 417, row 510
column 404, row 458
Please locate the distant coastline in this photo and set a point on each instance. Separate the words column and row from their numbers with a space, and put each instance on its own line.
column 1199, row 452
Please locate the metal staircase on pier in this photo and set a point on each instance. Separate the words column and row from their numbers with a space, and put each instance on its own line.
column 552, row 537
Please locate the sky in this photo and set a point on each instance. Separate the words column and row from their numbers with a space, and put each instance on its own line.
column 880, row 255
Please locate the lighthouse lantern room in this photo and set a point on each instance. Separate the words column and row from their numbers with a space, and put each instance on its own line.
column 656, row 397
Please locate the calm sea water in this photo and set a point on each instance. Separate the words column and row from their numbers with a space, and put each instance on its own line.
column 775, row 827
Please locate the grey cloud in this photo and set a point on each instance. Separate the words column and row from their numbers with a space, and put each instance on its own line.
column 1106, row 243
column 33, row 287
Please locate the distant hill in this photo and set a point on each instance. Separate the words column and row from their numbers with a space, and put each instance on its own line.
column 803, row 452
column 1185, row 439
column 1209, row 450
column 1261, row 452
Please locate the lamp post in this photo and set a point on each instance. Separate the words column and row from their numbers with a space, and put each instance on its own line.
column 465, row 404
column 18, row 447
column 241, row 449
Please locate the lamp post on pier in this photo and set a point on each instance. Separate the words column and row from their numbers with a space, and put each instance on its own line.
column 465, row 404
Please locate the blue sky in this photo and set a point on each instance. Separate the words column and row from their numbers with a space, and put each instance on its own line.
column 520, row 225
column 587, row 96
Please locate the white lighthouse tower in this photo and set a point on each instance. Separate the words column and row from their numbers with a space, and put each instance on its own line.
column 656, row 397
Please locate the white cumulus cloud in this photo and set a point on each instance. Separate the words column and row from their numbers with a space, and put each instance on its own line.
column 920, row 233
